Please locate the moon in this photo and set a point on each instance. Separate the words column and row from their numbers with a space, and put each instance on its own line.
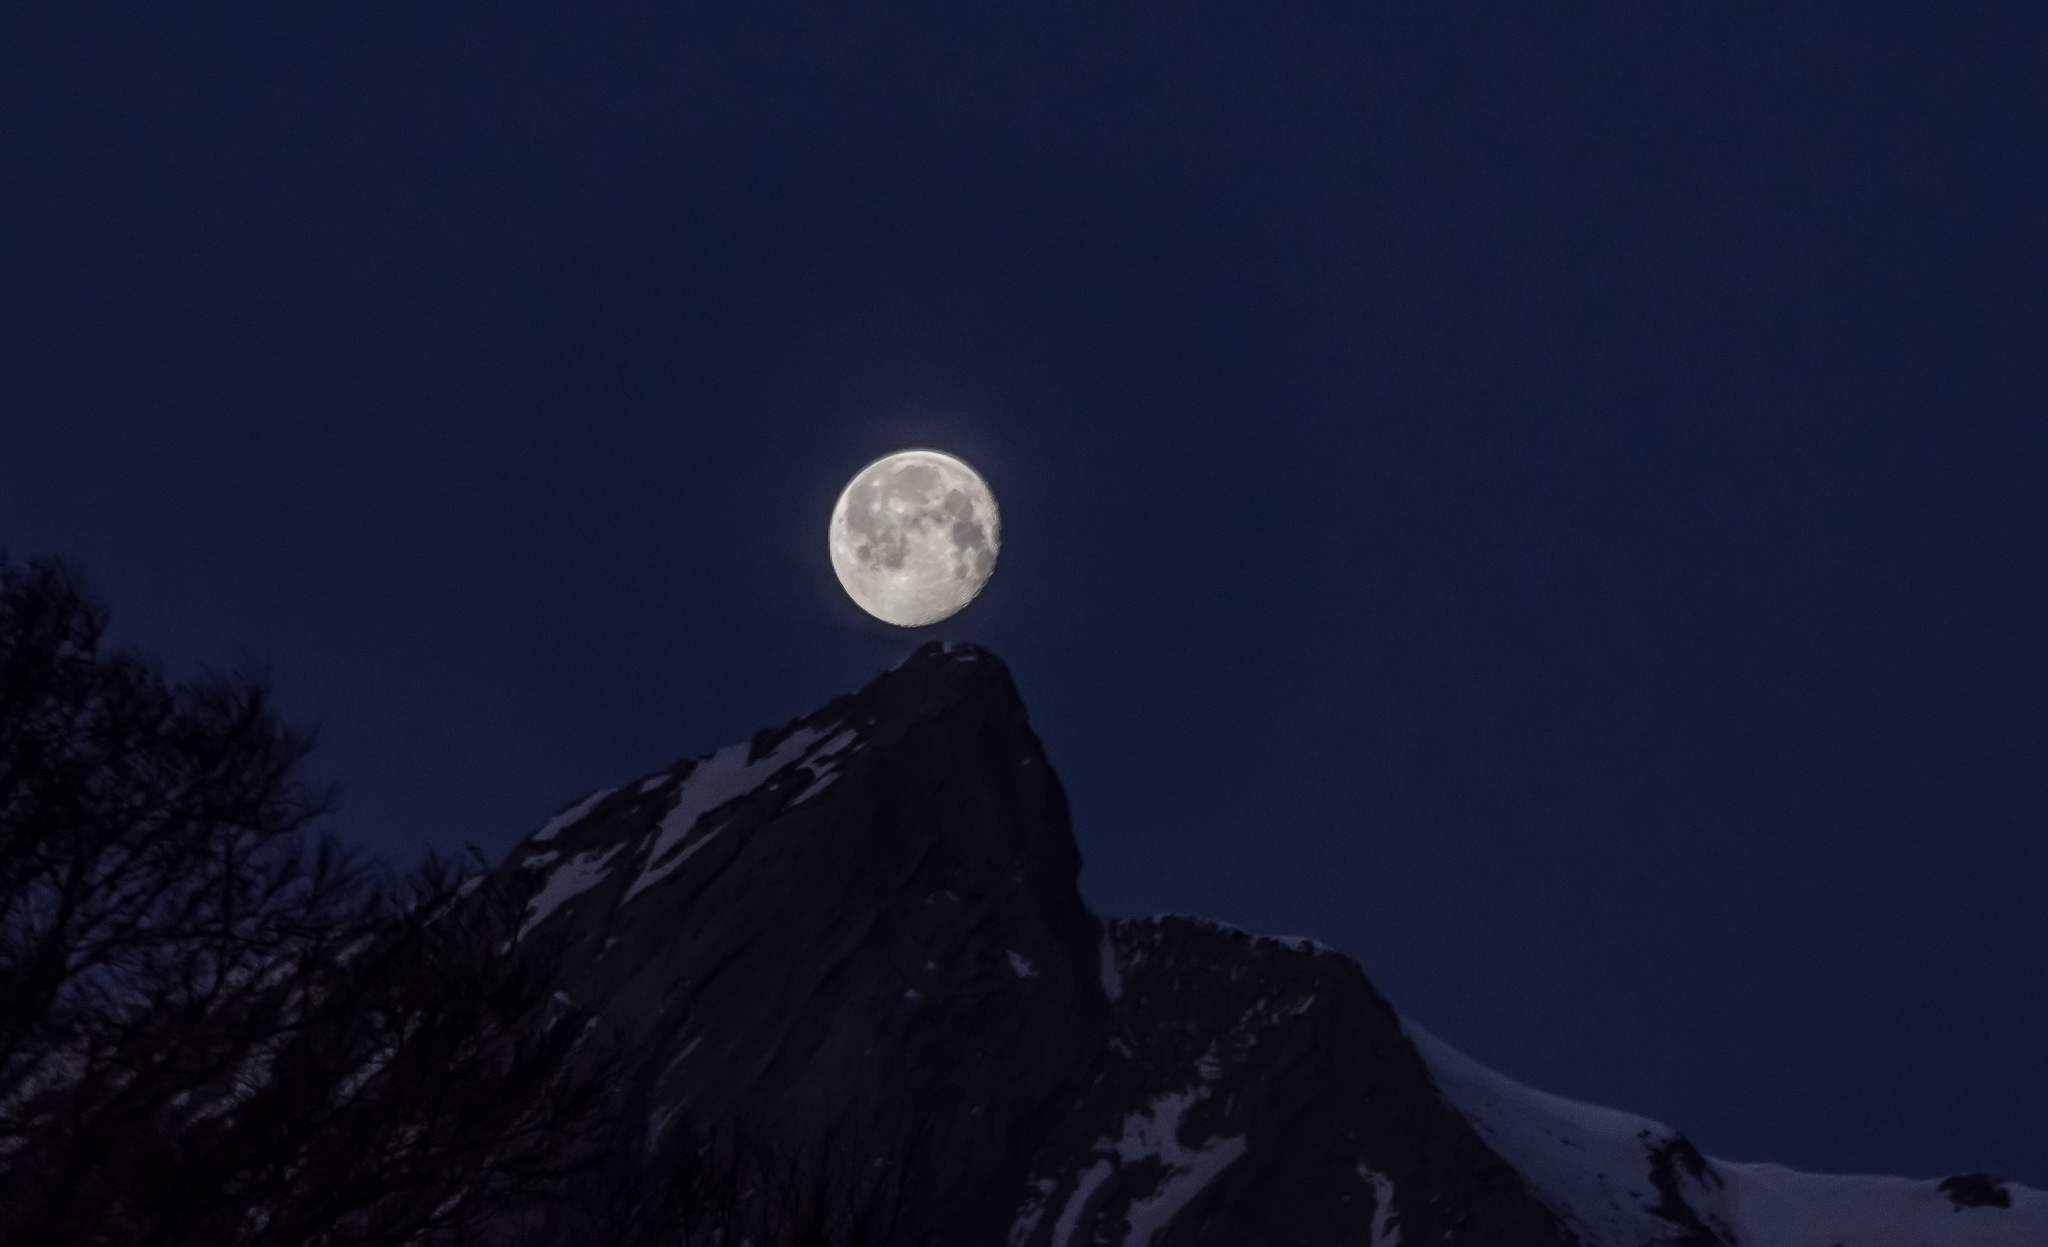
column 914, row 537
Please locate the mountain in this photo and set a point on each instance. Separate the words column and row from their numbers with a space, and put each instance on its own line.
column 866, row 922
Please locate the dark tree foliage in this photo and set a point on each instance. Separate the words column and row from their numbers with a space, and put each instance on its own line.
column 217, row 1030
column 739, row 1183
column 213, row 1030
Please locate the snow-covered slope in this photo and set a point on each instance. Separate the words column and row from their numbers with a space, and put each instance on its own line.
column 1619, row 1180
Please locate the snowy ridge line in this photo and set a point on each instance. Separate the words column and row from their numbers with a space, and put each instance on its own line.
column 570, row 816
column 1212, row 924
column 1293, row 943
column 1621, row 1180
column 726, row 776
column 711, row 782
column 1296, row 944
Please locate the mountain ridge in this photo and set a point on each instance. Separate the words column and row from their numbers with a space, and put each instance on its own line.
column 868, row 920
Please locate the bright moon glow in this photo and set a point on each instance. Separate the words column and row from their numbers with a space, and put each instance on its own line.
column 914, row 537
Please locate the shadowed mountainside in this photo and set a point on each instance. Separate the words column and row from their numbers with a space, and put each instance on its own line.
column 865, row 925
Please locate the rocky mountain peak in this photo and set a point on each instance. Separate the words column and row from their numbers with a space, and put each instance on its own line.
column 866, row 923
column 856, row 922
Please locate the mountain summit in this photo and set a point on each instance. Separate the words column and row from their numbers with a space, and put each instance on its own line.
column 866, row 924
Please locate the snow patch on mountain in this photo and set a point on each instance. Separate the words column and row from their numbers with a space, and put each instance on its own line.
column 1620, row 1180
column 1772, row 1206
column 1151, row 1137
column 829, row 751
column 1155, row 1134
column 823, row 763
column 1032, row 1212
column 569, row 817
column 1592, row 1165
column 1067, row 1229
column 574, row 877
column 818, row 784
column 1384, row 1232
column 724, row 776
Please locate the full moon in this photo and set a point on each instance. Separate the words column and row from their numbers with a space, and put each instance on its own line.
column 914, row 537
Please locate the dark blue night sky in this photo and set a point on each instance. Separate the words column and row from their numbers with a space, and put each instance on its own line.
column 1555, row 504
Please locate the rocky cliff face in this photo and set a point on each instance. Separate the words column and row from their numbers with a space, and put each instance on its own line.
column 866, row 922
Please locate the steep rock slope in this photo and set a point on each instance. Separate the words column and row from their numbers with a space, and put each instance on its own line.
column 866, row 922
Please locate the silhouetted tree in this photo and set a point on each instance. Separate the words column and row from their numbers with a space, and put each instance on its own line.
column 213, row 1030
column 740, row 1183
